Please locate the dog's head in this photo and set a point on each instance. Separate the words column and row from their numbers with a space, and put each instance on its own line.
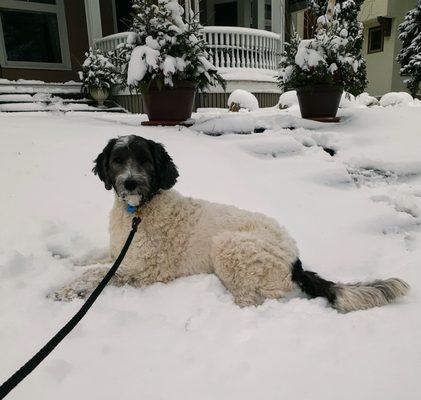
column 136, row 168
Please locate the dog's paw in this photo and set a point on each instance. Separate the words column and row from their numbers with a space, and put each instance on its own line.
column 81, row 287
column 76, row 290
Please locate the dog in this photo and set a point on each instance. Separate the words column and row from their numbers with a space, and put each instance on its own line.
column 252, row 255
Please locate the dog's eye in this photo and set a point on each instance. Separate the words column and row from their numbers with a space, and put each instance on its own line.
column 118, row 160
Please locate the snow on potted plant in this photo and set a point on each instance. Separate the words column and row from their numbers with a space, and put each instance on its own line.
column 168, row 61
column 98, row 75
column 321, row 68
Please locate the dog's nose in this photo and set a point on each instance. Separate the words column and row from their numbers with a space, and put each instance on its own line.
column 130, row 184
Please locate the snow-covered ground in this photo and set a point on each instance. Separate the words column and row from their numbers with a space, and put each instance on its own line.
column 355, row 216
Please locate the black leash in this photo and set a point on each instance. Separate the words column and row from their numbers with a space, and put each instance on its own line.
column 26, row 369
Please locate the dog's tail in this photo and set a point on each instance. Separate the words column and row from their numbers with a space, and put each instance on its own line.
column 349, row 297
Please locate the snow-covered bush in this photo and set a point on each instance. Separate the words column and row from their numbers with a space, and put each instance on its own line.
column 241, row 99
column 163, row 48
column 288, row 99
column 410, row 55
column 97, row 71
column 396, row 98
column 332, row 57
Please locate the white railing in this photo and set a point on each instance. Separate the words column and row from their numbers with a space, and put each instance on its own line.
column 234, row 47
column 109, row 43
column 228, row 46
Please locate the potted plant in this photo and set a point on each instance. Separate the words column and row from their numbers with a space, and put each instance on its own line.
column 165, row 59
column 98, row 75
column 321, row 68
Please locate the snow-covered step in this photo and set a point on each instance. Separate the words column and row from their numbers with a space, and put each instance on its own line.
column 13, row 107
column 16, row 98
column 63, row 107
column 21, row 96
column 41, row 97
column 32, row 87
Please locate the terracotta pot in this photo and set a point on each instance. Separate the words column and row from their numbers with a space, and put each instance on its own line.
column 170, row 103
column 319, row 101
column 99, row 95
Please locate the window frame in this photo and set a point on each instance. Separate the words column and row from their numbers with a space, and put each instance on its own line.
column 58, row 10
column 370, row 30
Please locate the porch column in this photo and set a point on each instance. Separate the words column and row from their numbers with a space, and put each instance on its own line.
column 93, row 20
column 278, row 18
column 261, row 14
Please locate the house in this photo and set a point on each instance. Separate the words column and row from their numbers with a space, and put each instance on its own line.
column 46, row 40
column 381, row 19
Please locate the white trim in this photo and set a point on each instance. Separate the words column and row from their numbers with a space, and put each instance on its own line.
column 29, row 6
column 93, row 20
column 58, row 10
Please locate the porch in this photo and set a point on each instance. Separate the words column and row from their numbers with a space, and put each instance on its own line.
column 247, row 59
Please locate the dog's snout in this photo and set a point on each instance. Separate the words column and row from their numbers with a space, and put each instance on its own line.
column 130, row 184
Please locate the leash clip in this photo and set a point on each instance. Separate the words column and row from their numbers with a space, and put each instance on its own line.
column 136, row 220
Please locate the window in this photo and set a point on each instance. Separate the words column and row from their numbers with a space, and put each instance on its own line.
column 33, row 34
column 375, row 40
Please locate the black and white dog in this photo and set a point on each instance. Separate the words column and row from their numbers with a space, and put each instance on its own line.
column 252, row 255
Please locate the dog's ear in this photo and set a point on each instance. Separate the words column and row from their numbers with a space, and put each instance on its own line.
column 101, row 164
column 165, row 169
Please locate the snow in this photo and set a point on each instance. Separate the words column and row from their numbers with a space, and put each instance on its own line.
column 221, row 124
column 348, row 100
column 356, row 215
column 396, row 98
column 248, row 74
column 288, row 99
column 365, row 99
column 243, row 99
column 308, row 57
column 34, row 86
column 16, row 98
column 45, row 102
column 142, row 60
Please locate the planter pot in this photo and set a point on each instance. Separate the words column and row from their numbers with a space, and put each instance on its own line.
column 170, row 103
column 319, row 101
column 99, row 95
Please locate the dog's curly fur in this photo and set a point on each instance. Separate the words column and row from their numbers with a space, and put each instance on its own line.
column 252, row 255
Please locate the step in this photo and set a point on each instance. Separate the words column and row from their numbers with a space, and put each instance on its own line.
column 41, row 97
column 32, row 87
column 63, row 107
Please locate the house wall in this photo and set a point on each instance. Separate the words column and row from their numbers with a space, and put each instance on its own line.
column 78, row 44
column 297, row 22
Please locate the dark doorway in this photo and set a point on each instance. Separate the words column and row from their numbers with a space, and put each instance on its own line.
column 226, row 14
column 123, row 10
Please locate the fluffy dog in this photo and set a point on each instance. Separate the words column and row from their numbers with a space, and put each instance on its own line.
column 252, row 255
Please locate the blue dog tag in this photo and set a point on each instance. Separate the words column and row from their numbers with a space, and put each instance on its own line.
column 131, row 209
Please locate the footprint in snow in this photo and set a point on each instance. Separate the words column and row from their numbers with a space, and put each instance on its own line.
column 270, row 148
